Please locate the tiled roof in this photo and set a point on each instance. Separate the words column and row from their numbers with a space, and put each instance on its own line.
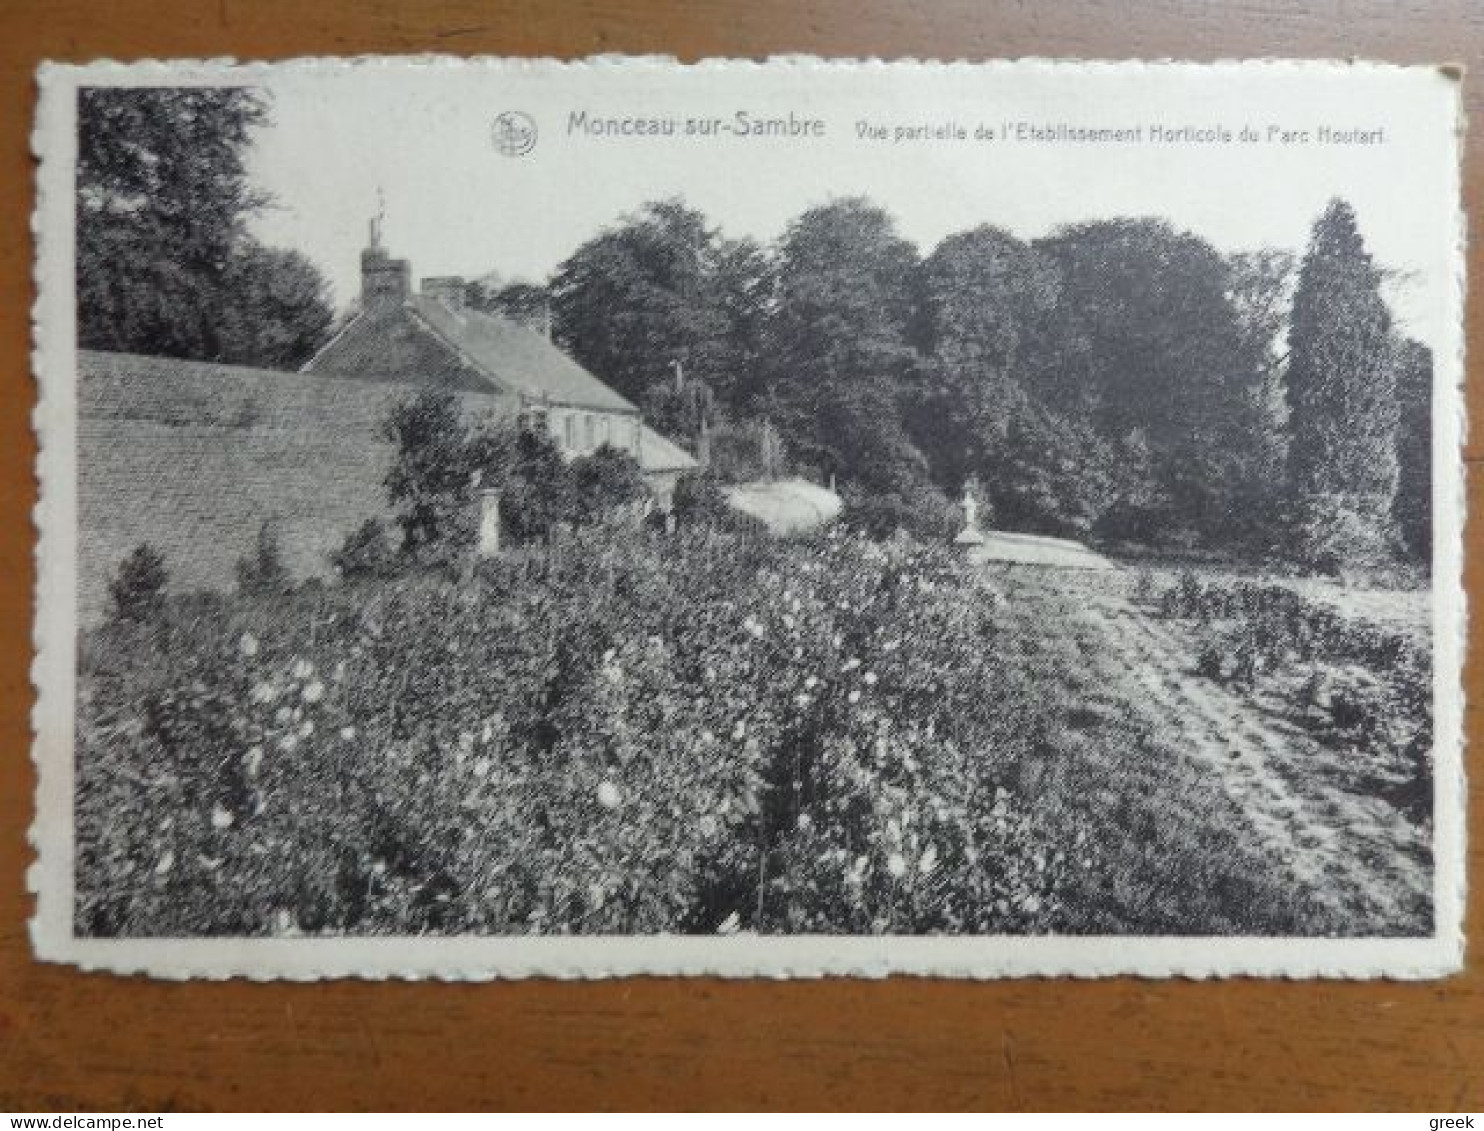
column 659, row 454
column 515, row 357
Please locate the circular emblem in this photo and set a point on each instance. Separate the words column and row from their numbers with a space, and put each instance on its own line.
column 514, row 133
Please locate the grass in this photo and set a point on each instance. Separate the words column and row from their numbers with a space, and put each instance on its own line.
column 1170, row 852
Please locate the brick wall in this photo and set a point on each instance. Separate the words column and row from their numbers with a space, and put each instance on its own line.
column 193, row 458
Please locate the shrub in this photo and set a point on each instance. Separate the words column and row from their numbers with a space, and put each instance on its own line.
column 1210, row 661
column 1344, row 535
column 745, row 450
column 1186, row 598
column 606, row 483
column 915, row 507
column 1359, row 706
column 138, row 589
column 1134, row 523
column 366, row 553
column 700, row 502
column 1368, row 685
column 264, row 572
column 537, row 493
column 1143, row 586
column 618, row 734
column 430, row 484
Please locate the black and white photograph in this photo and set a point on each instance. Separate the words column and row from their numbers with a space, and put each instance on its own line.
column 796, row 518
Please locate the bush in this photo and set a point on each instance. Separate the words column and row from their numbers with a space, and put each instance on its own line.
column 1368, row 685
column 537, row 494
column 1344, row 535
column 366, row 553
column 746, row 450
column 1143, row 590
column 1186, row 598
column 609, row 482
column 916, row 507
column 700, row 502
column 1359, row 706
column 138, row 589
column 621, row 734
column 263, row 572
column 1210, row 661
column 1133, row 523
column 430, row 485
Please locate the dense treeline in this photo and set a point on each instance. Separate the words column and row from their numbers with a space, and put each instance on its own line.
column 1119, row 380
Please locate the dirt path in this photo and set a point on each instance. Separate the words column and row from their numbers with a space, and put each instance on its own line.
column 1359, row 856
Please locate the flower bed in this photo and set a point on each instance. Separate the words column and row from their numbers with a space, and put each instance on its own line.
column 617, row 734
column 1352, row 680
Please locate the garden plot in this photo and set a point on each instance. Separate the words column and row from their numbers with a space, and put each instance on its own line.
column 1323, row 812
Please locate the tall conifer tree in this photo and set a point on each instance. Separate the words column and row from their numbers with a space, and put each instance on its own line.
column 1341, row 385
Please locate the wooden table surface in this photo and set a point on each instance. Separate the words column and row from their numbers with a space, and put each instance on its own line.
column 86, row 1042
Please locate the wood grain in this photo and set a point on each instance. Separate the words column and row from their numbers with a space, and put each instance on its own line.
column 72, row 1041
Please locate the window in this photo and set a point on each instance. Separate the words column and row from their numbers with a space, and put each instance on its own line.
column 569, row 433
column 592, row 432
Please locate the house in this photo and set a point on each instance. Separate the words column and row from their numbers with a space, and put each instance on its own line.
column 433, row 338
column 194, row 457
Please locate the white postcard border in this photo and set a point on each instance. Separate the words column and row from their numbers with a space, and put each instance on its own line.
column 742, row 956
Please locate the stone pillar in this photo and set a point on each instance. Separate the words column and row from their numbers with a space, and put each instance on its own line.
column 970, row 535
column 489, row 522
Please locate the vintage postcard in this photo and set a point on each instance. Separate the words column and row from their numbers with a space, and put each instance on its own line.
column 517, row 517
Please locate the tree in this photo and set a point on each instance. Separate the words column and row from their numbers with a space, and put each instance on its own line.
column 164, row 261
column 263, row 572
column 1148, row 349
column 1341, row 382
column 537, row 493
column 840, row 352
column 1412, row 506
column 1341, row 395
column 430, row 482
column 1260, row 290
column 986, row 300
column 366, row 553
column 138, row 590
column 526, row 303
column 744, row 282
column 640, row 296
column 277, row 313
column 986, row 317
column 684, row 408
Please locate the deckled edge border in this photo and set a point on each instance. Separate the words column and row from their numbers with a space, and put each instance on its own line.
column 49, row 877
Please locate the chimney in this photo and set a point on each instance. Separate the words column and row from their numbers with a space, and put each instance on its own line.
column 447, row 289
column 384, row 281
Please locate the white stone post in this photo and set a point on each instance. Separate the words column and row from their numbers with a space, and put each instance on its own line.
column 970, row 535
column 489, row 522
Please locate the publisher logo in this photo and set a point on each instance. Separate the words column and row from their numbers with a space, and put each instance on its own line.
column 514, row 133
